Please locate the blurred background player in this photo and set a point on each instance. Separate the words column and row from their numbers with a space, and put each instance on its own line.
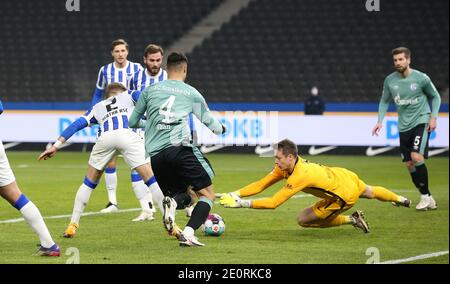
column 411, row 90
column 10, row 191
column 338, row 188
column 314, row 104
column 177, row 163
column 121, row 71
column 115, row 136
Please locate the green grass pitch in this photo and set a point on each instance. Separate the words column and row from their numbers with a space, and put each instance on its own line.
column 251, row 236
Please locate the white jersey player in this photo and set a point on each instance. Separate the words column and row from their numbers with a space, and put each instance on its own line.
column 119, row 71
column 10, row 191
column 112, row 116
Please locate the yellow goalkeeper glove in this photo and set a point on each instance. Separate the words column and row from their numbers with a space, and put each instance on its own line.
column 232, row 200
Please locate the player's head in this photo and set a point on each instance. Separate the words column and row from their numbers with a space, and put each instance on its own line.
column 402, row 58
column 114, row 89
column 119, row 51
column 286, row 155
column 177, row 65
column 153, row 55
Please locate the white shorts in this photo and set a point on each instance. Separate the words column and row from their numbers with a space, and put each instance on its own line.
column 6, row 174
column 124, row 141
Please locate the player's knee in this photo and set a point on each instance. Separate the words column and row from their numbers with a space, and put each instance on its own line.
column 367, row 193
column 302, row 221
column 416, row 157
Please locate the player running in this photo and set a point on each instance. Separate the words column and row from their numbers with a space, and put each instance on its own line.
column 410, row 90
column 338, row 188
column 10, row 191
column 178, row 165
column 115, row 136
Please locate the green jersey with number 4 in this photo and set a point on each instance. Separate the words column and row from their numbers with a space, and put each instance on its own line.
column 167, row 106
column 410, row 95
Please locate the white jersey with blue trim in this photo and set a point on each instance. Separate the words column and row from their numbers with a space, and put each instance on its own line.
column 143, row 79
column 111, row 74
column 112, row 113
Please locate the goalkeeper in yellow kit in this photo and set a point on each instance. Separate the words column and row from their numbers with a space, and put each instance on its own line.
column 338, row 188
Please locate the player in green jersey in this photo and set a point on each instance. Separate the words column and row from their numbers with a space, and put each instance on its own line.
column 411, row 91
column 178, row 165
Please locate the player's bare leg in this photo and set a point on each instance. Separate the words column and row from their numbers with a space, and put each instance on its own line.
column 81, row 199
column 32, row 216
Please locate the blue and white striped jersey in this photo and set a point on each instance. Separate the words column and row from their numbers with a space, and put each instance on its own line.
column 111, row 74
column 112, row 113
column 143, row 79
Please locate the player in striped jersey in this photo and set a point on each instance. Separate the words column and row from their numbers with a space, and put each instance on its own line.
column 115, row 136
column 121, row 71
column 152, row 74
column 10, row 191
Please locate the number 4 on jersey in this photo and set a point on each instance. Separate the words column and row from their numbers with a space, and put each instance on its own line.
column 166, row 110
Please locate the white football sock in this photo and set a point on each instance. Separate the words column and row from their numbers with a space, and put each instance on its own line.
column 188, row 232
column 157, row 195
column 81, row 200
column 111, row 186
column 33, row 217
column 142, row 194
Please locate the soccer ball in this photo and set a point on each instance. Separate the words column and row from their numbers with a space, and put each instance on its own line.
column 214, row 225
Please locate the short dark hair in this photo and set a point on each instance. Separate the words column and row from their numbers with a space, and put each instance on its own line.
column 288, row 147
column 114, row 87
column 400, row 50
column 153, row 48
column 119, row 42
column 175, row 59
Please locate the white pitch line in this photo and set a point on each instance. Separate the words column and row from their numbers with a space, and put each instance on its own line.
column 414, row 258
column 68, row 216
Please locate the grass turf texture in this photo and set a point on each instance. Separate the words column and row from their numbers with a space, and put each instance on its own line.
column 251, row 236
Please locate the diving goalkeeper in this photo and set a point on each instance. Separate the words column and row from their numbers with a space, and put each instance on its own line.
column 338, row 188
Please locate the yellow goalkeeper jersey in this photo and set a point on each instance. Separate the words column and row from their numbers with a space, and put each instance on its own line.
column 331, row 183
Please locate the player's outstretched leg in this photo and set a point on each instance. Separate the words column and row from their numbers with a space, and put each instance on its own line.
column 33, row 217
column 384, row 194
column 81, row 199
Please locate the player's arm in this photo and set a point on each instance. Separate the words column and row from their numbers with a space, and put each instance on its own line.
column 273, row 202
column 229, row 199
column 138, row 112
column 385, row 100
column 431, row 92
column 81, row 123
column 1, row 107
column 99, row 88
column 202, row 112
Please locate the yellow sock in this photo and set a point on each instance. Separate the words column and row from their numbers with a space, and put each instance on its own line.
column 384, row 194
column 339, row 220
